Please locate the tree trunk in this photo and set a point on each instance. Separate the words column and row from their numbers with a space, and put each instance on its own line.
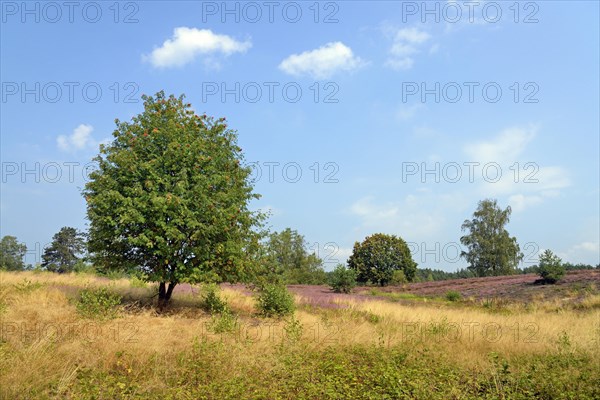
column 164, row 294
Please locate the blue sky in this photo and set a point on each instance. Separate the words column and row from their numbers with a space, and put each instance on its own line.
column 357, row 117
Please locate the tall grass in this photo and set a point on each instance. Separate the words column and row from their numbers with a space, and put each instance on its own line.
column 367, row 349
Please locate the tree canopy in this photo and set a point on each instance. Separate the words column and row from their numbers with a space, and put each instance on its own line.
column 287, row 256
column 378, row 256
column 170, row 198
column 64, row 251
column 11, row 254
column 490, row 248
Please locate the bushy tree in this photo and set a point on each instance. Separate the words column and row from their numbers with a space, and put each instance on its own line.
column 550, row 267
column 64, row 252
column 490, row 249
column 342, row 279
column 170, row 198
column 11, row 254
column 287, row 256
column 378, row 256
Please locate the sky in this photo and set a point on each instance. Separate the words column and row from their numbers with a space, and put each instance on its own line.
column 356, row 117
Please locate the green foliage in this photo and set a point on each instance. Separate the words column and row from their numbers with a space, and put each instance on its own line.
column 27, row 286
column 286, row 255
column 11, row 254
column 453, row 295
column 137, row 282
column 342, row 279
column 293, row 329
column 224, row 322
column 490, row 249
column 170, row 198
column 378, row 256
column 98, row 303
column 63, row 253
column 211, row 301
column 550, row 267
column 275, row 301
column 399, row 278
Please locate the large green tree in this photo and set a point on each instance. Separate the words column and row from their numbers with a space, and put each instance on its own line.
column 11, row 254
column 287, row 256
column 170, row 197
column 378, row 256
column 491, row 250
column 64, row 251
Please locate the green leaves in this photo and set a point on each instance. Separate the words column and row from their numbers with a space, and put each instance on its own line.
column 378, row 256
column 170, row 196
column 491, row 250
column 62, row 254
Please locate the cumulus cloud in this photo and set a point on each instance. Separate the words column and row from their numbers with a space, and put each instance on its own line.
column 80, row 139
column 188, row 43
column 323, row 62
column 406, row 44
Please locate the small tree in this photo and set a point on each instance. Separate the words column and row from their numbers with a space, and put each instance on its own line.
column 378, row 256
column 170, row 199
column 491, row 250
column 342, row 279
column 551, row 268
column 11, row 254
column 63, row 253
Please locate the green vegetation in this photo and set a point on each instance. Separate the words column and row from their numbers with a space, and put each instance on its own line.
column 275, row 301
column 342, row 279
column 490, row 249
column 550, row 267
column 170, row 199
column 11, row 254
column 98, row 303
column 453, row 295
column 378, row 256
column 288, row 260
column 63, row 253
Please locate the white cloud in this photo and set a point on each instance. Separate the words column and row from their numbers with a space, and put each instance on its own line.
column 187, row 43
column 403, row 218
column 588, row 246
column 80, row 139
column 323, row 62
column 504, row 148
column 405, row 112
column 405, row 45
column 519, row 202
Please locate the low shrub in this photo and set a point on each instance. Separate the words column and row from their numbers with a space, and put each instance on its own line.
column 342, row 279
column 98, row 303
column 211, row 301
column 453, row 295
column 274, row 301
column 551, row 273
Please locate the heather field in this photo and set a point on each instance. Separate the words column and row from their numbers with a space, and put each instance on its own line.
column 399, row 343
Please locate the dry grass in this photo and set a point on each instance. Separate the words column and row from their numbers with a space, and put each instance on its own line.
column 46, row 342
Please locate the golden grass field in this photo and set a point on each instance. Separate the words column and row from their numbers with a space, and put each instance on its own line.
column 453, row 350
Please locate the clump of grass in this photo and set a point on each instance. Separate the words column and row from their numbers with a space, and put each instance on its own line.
column 98, row 303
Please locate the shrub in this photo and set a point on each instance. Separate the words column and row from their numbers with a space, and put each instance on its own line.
column 211, row 301
column 551, row 268
column 226, row 321
column 398, row 277
column 275, row 300
column 342, row 279
column 99, row 303
column 453, row 295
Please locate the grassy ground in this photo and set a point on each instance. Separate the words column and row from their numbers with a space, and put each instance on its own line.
column 375, row 349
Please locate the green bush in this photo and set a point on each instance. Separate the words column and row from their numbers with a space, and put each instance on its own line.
column 211, row 301
column 398, row 277
column 551, row 268
column 99, row 303
column 224, row 322
column 342, row 279
column 453, row 295
column 275, row 300
column 551, row 273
